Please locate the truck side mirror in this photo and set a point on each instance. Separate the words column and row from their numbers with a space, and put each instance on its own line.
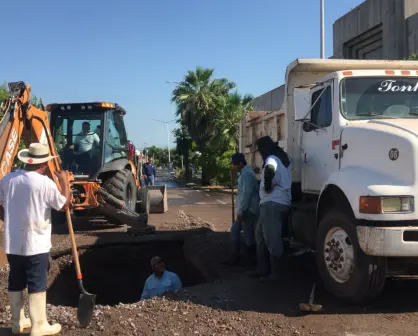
column 308, row 126
column 301, row 102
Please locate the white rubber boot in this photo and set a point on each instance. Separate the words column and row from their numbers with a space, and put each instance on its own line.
column 19, row 320
column 37, row 312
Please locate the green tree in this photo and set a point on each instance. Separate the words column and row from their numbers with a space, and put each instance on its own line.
column 230, row 110
column 4, row 92
column 197, row 98
column 413, row 57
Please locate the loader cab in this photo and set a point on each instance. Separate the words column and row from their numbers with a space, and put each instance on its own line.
column 89, row 137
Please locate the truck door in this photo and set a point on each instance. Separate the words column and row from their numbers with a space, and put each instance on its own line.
column 317, row 134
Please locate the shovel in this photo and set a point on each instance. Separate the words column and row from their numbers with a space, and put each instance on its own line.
column 87, row 301
column 310, row 307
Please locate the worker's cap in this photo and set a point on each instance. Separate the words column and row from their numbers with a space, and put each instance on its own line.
column 36, row 154
column 156, row 260
column 265, row 142
column 238, row 158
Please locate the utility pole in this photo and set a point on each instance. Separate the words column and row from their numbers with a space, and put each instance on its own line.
column 322, row 29
column 168, row 143
column 168, row 136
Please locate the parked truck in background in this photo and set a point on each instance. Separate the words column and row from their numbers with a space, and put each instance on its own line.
column 350, row 128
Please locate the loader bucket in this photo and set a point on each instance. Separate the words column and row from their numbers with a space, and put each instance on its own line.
column 158, row 199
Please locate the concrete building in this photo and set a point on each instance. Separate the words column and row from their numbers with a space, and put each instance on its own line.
column 377, row 29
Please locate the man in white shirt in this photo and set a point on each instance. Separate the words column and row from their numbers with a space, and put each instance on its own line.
column 275, row 202
column 85, row 142
column 27, row 197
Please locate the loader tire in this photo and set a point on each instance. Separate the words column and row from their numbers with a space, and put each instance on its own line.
column 346, row 271
column 145, row 205
column 122, row 186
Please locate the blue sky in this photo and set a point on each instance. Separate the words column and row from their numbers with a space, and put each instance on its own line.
column 125, row 51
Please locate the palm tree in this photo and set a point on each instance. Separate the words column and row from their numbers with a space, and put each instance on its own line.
column 197, row 98
column 230, row 110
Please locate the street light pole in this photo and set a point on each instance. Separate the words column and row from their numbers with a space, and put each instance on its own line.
column 168, row 136
column 322, row 28
column 168, row 143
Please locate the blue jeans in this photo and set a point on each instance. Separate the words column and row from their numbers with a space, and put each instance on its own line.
column 268, row 232
column 28, row 271
column 247, row 225
column 150, row 180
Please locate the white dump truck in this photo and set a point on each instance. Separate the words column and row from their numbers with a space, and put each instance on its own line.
column 351, row 130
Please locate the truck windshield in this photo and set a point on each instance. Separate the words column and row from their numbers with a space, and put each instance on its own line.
column 379, row 97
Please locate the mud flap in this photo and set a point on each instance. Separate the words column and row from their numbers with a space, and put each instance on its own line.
column 158, row 199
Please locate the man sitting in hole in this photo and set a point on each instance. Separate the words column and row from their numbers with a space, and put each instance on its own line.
column 162, row 282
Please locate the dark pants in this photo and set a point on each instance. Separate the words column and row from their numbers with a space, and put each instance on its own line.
column 82, row 160
column 150, row 180
column 268, row 232
column 28, row 271
column 247, row 225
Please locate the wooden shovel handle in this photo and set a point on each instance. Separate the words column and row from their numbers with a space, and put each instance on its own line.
column 73, row 245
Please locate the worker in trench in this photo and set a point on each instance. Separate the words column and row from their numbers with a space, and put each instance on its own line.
column 161, row 282
column 247, row 209
column 275, row 202
column 27, row 197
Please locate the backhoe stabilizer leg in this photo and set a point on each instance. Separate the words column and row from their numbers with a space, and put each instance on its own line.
column 115, row 208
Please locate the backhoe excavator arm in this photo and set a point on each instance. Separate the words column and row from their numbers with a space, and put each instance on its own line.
column 23, row 121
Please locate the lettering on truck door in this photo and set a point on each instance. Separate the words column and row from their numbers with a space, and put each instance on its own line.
column 317, row 157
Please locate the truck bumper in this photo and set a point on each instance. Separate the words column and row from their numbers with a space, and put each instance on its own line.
column 388, row 241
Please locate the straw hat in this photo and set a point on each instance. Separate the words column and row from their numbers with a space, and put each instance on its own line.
column 37, row 153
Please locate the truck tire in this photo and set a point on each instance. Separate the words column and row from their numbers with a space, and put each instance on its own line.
column 122, row 186
column 346, row 271
column 145, row 205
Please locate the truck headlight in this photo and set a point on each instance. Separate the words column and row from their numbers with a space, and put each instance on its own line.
column 386, row 204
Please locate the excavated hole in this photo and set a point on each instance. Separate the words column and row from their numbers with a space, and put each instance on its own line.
column 116, row 274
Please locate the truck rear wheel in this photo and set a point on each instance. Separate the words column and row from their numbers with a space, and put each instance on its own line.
column 122, row 186
column 347, row 272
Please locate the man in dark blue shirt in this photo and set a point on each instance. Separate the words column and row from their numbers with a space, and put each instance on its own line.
column 149, row 173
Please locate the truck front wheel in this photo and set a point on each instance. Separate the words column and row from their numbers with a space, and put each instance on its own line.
column 347, row 272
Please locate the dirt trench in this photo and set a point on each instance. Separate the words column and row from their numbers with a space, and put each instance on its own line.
column 117, row 273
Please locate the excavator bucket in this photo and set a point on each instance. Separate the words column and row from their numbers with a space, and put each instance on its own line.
column 158, row 199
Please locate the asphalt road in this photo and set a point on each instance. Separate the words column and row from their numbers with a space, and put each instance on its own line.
column 209, row 206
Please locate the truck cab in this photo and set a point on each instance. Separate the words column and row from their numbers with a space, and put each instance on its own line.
column 351, row 130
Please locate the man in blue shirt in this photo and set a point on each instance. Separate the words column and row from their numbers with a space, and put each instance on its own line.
column 162, row 282
column 247, row 208
column 149, row 173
